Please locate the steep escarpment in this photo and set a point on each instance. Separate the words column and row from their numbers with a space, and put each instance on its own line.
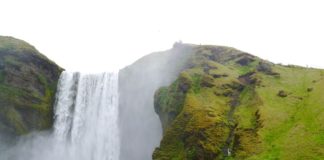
column 139, row 125
column 227, row 104
column 27, row 88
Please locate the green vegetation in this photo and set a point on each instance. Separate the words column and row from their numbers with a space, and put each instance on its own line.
column 232, row 109
column 27, row 87
column 225, row 104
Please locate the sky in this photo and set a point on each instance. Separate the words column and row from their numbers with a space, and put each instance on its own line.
column 106, row 35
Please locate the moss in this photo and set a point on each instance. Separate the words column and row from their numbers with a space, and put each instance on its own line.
column 263, row 125
column 197, row 131
column 27, row 87
column 169, row 101
column 201, row 128
column 196, row 83
column 13, row 117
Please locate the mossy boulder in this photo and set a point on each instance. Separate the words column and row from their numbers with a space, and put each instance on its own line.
column 27, row 87
column 282, row 93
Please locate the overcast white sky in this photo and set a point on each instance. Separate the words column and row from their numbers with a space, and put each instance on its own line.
column 103, row 35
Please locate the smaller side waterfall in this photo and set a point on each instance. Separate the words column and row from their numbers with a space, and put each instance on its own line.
column 86, row 117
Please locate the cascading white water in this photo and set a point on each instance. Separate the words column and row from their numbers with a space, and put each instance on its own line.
column 85, row 126
column 86, row 117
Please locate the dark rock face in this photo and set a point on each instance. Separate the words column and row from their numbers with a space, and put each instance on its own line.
column 27, row 88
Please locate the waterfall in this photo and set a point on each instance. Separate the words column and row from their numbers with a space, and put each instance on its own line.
column 86, row 117
column 85, row 122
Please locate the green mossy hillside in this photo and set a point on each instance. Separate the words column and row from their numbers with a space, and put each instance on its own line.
column 27, row 88
column 225, row 105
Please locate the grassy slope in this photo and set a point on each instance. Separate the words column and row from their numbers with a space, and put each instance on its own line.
column 208, row 124
column 292, row 127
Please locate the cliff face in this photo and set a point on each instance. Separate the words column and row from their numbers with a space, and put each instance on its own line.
column 27, row 88
column 139, row 125
column 227, row 104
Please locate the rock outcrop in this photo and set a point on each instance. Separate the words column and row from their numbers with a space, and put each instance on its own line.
column 28, row 83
